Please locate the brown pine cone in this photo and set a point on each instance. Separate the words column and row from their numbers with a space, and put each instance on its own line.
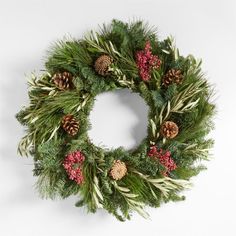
column 169, row 129
column 118, row 170
column 63, row 80
column 102, row 64
column 70, row 124
column 172, row 76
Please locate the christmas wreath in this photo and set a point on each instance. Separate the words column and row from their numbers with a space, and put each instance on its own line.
column 121, row 55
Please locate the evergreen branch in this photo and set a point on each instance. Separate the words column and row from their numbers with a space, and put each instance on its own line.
column 67, row 55
column 194, row 66
column 172, row 48
column 52, row 179
column 42, row 83
column 184, row 101
column 25, row 144
column 199, row 150
column 131, row 200
column 37, row 116
column 96, row 194
column 90, row 189
column 85, row 98
column 97, row 44
column 121, row 77
column 165, row 184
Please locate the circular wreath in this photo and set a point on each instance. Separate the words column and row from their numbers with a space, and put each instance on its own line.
column 120, row 56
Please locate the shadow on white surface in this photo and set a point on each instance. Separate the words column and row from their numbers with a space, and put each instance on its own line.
column 140, row 109
column 118, row 118
column 13, row 96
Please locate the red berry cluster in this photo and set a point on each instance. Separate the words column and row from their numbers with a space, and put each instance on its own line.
column 73, row 166
column 164, row 158
column 146, row 62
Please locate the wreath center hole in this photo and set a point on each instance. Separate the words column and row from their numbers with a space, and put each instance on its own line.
column 118, row 119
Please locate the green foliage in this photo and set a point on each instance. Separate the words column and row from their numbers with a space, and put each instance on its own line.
column 67, row 55
column 52, row 179
column 188, row 105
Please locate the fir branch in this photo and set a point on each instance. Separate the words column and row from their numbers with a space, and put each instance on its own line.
column 52, row 179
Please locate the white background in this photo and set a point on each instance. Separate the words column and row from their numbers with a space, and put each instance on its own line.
column 204, row 28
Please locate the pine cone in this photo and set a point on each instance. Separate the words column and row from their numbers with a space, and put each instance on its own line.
column 102, row 64
column 172, row 76
column 118, row 170
column 70, row 124
column 169, row 129
column 63, row 80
